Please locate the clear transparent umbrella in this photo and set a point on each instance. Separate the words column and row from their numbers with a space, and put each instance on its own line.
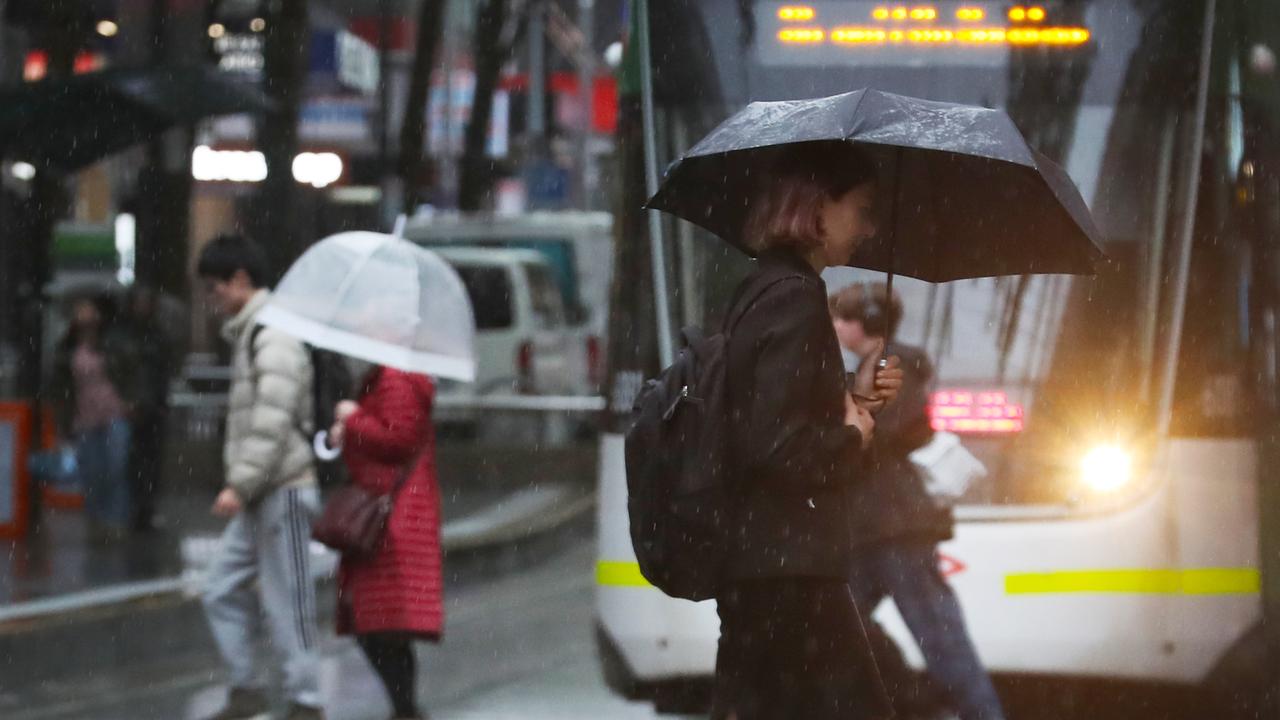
column 381, row 299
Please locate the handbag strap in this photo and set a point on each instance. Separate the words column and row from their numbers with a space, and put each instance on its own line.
column 407, row 471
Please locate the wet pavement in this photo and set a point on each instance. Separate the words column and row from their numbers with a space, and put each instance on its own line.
column 480, row 487
column 519, row 644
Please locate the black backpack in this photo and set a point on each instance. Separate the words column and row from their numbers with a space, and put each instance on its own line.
column 679, row 495
column 331, row 382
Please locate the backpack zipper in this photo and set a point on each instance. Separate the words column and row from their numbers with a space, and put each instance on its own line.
column 684, row 396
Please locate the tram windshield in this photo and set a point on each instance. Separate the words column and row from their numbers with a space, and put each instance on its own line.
column 1035, row 373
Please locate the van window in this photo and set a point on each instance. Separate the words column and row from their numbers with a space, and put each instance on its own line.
column 558, row 251
column 490, row 291
column 548, row 306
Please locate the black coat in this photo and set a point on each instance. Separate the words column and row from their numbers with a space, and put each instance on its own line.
column 795, row 460
column 893, row 504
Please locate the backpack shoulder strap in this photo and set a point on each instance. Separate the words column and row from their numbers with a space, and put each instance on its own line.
column 301, row 425
column 253, row 340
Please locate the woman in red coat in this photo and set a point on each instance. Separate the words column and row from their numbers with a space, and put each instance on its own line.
column 394, row 597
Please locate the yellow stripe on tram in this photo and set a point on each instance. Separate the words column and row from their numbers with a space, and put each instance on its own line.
column 612, row 573
column 1197, row 581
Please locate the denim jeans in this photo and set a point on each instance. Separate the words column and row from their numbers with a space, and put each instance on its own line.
column 102, row 455
column 908, row 573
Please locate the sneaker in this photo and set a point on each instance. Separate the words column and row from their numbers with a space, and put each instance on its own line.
column 245, row 704
column 298, row 711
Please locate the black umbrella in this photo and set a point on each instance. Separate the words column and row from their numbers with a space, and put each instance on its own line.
column 73, row 123
column 966, row 196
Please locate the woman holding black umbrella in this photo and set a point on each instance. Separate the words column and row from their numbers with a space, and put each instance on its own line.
column 791, row 642
column 791, row 183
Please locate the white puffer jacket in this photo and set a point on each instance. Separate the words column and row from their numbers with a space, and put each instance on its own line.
column 269, row 417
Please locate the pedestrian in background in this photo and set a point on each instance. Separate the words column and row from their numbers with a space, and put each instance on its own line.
column 791, row 643
column 393, row 597
column 151, row 411
column 897, row 524
column 263, row 561
column 95, row 385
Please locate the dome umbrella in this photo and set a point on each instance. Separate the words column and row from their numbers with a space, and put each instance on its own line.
column 378, row 298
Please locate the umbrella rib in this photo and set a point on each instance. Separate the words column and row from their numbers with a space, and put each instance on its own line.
column 848, row 135
column 347, row 282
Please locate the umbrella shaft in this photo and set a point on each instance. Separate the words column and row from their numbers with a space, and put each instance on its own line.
column 893, row 245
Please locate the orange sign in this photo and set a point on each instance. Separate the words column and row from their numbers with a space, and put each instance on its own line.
column 15, row 479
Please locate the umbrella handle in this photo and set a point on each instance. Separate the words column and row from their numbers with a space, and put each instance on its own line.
column 320, row 444
column 883, row 362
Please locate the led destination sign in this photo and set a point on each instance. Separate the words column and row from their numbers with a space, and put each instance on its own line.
column 877, row 33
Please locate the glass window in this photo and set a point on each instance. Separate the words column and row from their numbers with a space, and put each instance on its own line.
column 490, row 291
column 548, row 306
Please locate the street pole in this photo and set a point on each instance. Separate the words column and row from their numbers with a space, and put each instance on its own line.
column 489, row 51
column 537, row 120
column 284, row 73
column 412, row 131
column 661, row 299
column 586, row 88
column 384, row 109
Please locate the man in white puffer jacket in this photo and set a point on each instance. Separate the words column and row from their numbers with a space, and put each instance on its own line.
column 270, row 495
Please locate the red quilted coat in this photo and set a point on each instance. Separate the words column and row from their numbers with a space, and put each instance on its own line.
column 399, row 587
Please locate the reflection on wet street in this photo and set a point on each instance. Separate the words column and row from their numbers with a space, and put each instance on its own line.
column 518, row 644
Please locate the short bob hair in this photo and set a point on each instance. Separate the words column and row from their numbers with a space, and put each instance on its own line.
column 227, row 254
column 786, row 209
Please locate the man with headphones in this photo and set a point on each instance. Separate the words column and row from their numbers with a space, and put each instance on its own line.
column 898, row 524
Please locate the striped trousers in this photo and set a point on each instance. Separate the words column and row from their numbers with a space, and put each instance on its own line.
column 262, row 572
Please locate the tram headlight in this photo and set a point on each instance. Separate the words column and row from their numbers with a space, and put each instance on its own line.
column 1106, row 468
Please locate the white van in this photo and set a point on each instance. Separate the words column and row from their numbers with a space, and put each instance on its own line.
column 523, row 338
column 578, row 246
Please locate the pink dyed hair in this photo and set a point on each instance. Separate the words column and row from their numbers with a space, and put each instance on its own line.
column 786, row 210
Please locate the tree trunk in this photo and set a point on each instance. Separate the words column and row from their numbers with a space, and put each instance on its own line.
column 284, row 72
column 163, row 194
column 477, row 168
column 413, row 165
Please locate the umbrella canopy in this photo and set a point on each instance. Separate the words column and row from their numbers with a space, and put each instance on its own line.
column 378, row 298
column 73, row 123
column 964, row 194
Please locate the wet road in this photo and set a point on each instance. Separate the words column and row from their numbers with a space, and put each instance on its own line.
column 519, row 645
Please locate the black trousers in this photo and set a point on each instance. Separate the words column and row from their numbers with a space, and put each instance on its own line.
column 794, row 648
column 146, row 462
column 391, row 656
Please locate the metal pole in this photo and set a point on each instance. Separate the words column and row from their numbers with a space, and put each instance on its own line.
column 537, row 76
column 666, row 353
column 690, row 299
column 384, row 105
column 1187, row 233
column 586, row 86
column 448, row 177
column 1155, row 254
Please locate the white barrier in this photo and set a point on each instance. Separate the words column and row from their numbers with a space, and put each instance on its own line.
column 528, row 403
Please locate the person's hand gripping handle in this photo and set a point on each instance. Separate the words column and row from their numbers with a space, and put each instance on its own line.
column 877, row 380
